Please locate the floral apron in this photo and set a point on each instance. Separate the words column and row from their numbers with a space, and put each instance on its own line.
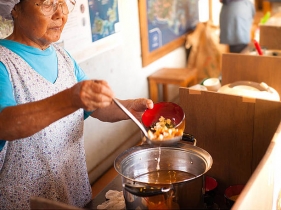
column 50, row 163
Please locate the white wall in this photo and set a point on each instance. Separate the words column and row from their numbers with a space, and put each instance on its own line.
column 122, row 68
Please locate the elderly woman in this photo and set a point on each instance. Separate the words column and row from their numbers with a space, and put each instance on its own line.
column 44, row 98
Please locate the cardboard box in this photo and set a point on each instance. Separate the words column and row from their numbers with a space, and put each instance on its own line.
column 235, row 130
column 270, row 33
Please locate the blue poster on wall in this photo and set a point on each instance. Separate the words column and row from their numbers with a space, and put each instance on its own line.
column 103, row 17
column 169, row 19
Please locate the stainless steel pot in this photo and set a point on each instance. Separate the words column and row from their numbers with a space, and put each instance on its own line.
column 137, row 165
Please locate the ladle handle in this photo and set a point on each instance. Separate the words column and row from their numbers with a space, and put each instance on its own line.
column 127, row 112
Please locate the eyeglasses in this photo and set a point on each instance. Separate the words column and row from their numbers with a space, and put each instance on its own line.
column 49, row 7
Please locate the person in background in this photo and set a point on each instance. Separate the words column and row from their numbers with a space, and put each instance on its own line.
column 44, row 98
column 236, row 19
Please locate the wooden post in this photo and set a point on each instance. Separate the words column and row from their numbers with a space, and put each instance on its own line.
column 211, row 11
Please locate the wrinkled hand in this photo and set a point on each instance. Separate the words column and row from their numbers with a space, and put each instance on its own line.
column 138, row 106
column 92, row 94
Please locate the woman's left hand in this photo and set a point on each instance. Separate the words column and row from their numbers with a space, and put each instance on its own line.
column 113, row 113
column 138, row 106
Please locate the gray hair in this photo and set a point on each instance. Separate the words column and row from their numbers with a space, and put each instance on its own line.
column 6, row 7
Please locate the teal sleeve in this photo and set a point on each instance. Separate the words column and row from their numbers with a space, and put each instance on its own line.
column 6, row 93
column 2, row 144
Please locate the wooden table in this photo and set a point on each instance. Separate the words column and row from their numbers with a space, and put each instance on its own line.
column 167, row 76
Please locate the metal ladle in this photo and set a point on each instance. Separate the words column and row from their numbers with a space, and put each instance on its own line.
column 150, row 141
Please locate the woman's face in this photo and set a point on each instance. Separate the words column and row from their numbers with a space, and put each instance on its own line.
column 33, row 28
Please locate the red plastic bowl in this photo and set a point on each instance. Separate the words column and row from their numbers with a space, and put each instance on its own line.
column 232, row 192
column 168, row 110
column 210, row 184
column 210, row 191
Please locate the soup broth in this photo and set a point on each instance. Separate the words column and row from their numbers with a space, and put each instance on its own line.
column 164, row 177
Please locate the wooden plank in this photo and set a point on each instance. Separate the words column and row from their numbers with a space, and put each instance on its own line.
column 270, row 32
column 103, row 181
column 267, row 118
column 37, row 203
column 240, row 67
column 270, row 37
column 223, row 126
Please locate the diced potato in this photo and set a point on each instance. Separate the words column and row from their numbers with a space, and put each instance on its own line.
column 164, row 130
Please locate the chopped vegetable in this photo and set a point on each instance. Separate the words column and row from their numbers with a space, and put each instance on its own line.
column 164, row 129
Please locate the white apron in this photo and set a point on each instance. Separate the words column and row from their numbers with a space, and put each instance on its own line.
column 50, row 163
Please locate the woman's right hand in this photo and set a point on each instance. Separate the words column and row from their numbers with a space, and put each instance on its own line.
column 92, row 94
column 32, row 117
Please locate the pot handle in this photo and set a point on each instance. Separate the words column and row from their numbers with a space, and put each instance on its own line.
column 145, row 191
column 190, row 138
